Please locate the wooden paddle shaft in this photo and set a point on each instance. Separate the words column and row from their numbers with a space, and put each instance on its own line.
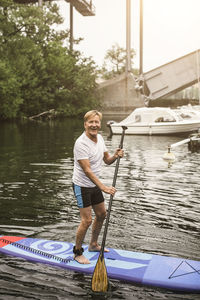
column 111, row 196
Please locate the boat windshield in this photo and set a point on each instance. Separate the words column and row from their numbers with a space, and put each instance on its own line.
column 165, row 119
column 152, row 115
column 188, row 114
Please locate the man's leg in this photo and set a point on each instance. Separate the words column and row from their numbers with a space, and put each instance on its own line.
column 100, row 215
column 86, row 220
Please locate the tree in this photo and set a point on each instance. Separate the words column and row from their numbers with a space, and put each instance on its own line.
column 46, row 73
column 9, row 90
column 115, row 62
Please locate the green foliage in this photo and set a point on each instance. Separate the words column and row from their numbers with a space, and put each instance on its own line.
column 10, row 92
column 115, row 62
column 38, row 72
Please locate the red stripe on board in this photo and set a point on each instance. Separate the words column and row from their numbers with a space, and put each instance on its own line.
column 9, row 239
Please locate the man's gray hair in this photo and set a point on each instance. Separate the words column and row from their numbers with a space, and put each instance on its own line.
column 92, row 113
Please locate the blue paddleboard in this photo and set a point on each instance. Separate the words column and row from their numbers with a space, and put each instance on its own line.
column 148, row 269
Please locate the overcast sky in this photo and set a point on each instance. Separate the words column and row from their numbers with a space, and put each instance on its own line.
column 171, row 29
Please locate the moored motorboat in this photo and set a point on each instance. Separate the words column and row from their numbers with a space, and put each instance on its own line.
column 155, row 121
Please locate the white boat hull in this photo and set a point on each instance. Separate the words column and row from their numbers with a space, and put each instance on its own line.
column 157, row 129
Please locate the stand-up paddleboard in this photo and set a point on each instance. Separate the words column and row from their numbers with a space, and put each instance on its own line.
column 148, row 269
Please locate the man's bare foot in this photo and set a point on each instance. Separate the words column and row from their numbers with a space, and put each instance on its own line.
column 96, row 248
column 81, row 259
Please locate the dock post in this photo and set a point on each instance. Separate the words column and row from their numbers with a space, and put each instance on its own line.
column 128, row 37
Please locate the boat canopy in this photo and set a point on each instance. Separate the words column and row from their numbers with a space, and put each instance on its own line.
column 152, row 115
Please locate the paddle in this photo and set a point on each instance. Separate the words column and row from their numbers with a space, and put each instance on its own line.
column 100, row 277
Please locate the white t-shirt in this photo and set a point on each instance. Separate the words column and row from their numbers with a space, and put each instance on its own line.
column 85, row 148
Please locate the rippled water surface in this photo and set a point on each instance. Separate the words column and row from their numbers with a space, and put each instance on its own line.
column 156, row 208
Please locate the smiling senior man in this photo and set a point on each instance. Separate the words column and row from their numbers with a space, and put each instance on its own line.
column 89, row 153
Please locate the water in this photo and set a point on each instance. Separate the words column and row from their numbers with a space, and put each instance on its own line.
column 155, row 209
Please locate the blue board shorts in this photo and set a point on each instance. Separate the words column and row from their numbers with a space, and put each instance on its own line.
column 87, row 196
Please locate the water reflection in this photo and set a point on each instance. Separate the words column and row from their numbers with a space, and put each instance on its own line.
column 155, row 209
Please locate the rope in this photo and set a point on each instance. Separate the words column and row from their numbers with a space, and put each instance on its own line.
column 35, row 251
column 198, row 75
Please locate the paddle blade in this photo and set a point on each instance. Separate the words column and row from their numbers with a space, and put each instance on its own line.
column 100, row 277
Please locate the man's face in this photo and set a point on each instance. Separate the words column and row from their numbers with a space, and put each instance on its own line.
column 92, row 126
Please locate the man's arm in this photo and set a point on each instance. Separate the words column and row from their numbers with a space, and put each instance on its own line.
column 108, row 159
column 85, row 165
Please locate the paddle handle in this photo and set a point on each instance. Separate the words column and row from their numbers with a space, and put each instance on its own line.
column 111, row 196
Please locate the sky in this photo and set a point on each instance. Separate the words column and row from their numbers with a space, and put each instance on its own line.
column 171, row 28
